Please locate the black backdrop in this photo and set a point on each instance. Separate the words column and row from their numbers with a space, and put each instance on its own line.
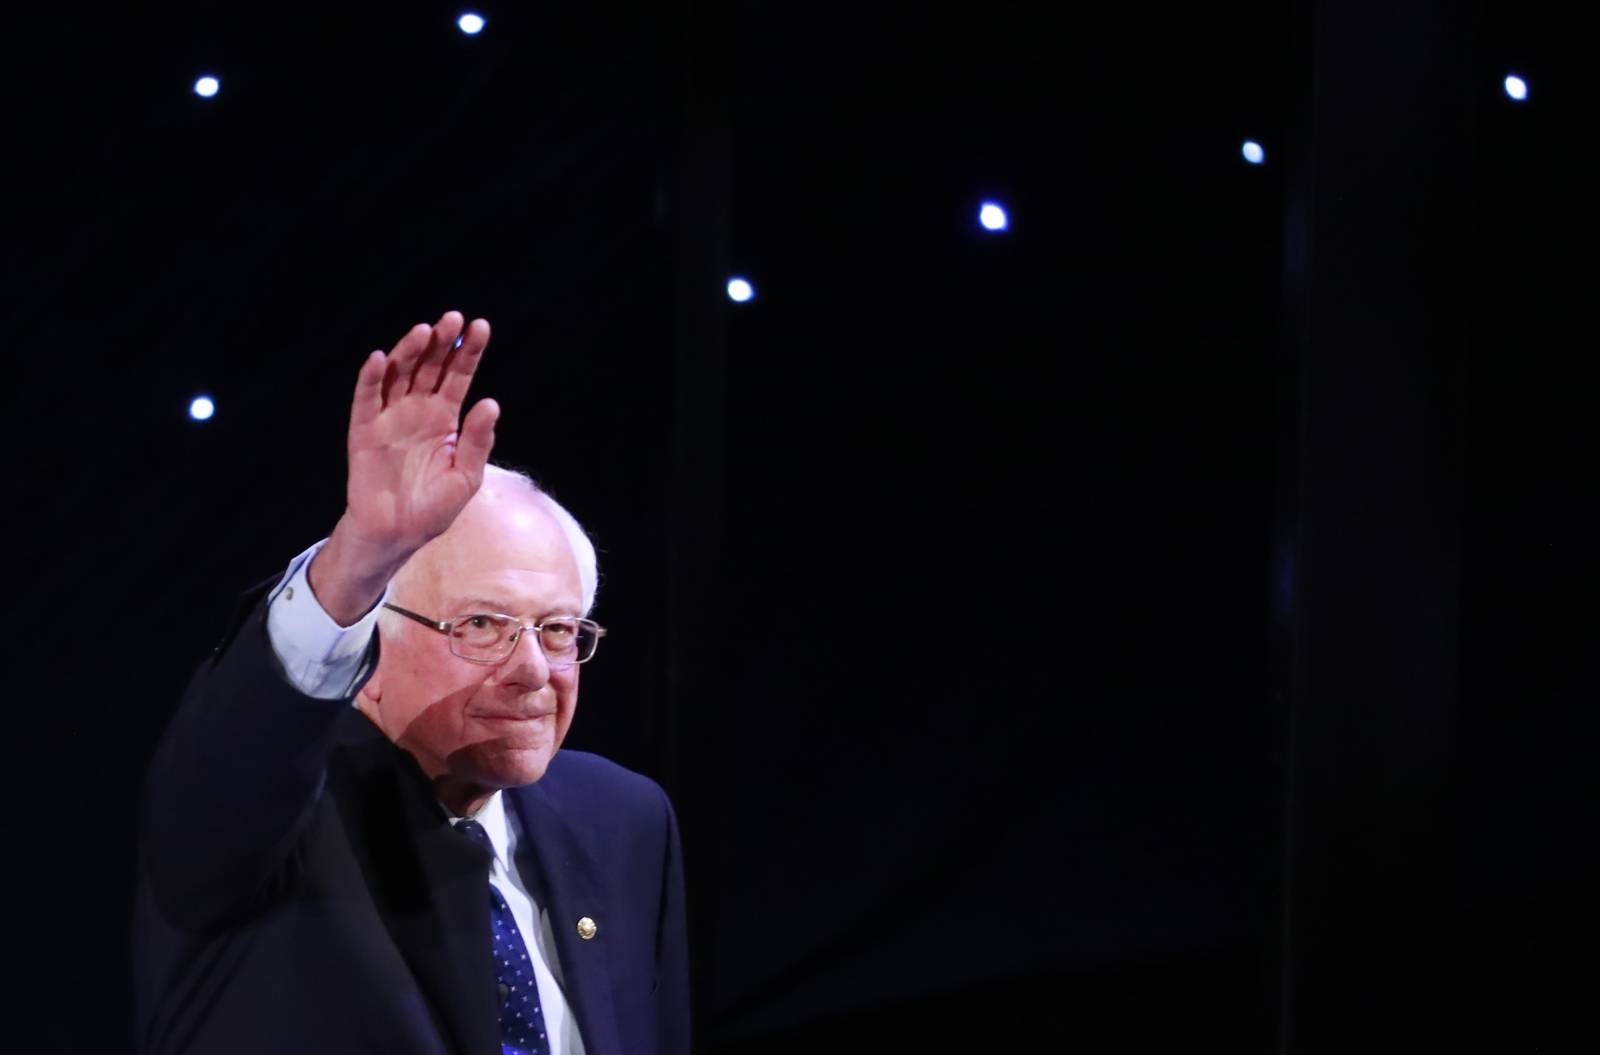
column 942, row 576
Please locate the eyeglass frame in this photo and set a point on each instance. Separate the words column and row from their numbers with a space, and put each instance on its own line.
column 448, row 629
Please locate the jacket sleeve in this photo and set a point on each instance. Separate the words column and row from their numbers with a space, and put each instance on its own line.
column 235, row 779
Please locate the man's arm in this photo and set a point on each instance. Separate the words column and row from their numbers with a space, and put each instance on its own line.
column 235, row 778
column 319, row 657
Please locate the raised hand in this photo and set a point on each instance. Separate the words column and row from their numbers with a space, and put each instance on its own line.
column 413, row 462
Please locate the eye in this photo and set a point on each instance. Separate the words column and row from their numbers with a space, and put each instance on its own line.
column 558, row 635
column 481, row 631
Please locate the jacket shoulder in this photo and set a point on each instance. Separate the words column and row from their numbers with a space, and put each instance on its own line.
column 579, row 780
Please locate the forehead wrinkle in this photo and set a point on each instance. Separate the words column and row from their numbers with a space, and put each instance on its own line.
column 478, row 599
column 516, row 590
column 486, row 604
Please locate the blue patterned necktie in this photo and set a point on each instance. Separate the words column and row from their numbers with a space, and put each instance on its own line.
column 521, row 1021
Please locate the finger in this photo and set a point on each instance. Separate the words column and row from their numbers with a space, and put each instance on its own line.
column 463, row 363
column 477, row 439
column 368, row 400
column 426, row 376
column 403, row 359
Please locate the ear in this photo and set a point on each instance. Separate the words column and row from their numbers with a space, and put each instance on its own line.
column 371, row 693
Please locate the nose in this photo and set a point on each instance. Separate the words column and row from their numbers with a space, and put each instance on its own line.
column 527, row 664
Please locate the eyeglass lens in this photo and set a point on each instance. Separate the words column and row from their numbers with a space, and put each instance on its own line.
column 494, row 636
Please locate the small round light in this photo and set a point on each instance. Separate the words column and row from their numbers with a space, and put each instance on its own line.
column 207, row 86
column 1253, row 152
column 740, row 290
column 993, row 216
column 1517, row 88
column 201, row 408
column 471, row 23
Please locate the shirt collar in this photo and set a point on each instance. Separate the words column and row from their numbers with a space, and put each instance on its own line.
column 492, row 815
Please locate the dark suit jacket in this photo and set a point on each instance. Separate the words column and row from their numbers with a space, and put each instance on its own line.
column 301, row 891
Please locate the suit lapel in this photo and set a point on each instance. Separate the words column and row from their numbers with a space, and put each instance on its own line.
column 573, row 889
column 434, row 890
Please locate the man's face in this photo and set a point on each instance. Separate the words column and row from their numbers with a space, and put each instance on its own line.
column 486, row 726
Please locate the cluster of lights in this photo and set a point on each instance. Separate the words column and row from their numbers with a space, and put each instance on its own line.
column 992, row 215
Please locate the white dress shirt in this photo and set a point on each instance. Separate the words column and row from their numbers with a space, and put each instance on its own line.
column 326, row 660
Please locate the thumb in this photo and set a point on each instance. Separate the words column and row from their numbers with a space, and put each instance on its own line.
column 477, row 439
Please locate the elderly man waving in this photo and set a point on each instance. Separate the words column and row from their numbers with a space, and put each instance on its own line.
column 359, row 832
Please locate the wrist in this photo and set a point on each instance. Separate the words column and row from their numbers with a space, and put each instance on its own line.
column 349, row 574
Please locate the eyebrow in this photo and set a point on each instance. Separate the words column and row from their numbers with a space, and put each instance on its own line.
column 476, row 605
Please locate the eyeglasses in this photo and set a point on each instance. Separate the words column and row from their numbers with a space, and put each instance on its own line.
column 490, row 637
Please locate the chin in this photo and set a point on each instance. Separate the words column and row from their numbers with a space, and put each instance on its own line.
column 503, row 768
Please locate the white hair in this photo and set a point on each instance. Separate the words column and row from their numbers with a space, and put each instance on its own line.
column 577, row 538
column 583, row 551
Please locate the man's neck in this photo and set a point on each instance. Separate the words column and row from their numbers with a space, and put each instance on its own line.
column 461, row 798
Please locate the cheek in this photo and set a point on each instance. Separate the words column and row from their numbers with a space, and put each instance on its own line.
column 434, row 696
column 430, row 671
column 566, row 687
column 435, row 684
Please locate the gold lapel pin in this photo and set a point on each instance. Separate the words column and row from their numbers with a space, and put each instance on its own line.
column 586, row 928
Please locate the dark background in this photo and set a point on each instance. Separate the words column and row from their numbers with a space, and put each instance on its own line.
column 970, row 593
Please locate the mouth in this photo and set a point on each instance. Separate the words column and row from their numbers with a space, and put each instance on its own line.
column 515, row 717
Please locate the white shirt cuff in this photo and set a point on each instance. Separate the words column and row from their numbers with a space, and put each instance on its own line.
column 319, row 657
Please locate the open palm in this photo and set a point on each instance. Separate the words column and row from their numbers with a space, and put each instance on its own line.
column 413, row 463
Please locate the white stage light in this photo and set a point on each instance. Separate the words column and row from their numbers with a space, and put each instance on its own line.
column 206, row 87
column 993, row 217
column 471, row 24
column 1253, row 152
column 1517, row 88
column 201, row 408
column 740, row 291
